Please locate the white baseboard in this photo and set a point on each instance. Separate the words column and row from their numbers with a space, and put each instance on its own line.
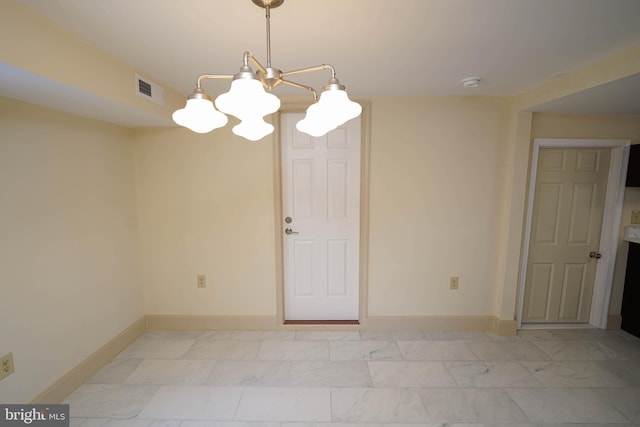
column 239, row 323
column 73, row 379
column 614, row 321
column 504, row 328
column 379, row 323
column 442, row 323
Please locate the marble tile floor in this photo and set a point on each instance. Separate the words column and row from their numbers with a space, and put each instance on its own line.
column 577, row 377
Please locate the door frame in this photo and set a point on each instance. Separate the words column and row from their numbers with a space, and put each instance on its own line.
column 365, row 135
column 611, row 220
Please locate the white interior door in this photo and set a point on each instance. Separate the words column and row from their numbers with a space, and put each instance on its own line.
column 566, row 225
column 321, row 211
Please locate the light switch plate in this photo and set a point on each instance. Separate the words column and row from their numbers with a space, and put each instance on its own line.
column 635, row 217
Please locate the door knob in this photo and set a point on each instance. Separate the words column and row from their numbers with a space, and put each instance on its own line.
column 594, row 254
column 290, row 231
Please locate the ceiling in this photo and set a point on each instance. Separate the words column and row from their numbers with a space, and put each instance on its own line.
column 378, row 47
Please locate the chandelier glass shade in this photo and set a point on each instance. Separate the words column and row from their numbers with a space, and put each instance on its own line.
column 253, row 129
column 199, row 115
column 333, row 109
column 248, row 98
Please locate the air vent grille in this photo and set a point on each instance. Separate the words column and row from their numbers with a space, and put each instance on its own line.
column 144, row 87
column 149, row 90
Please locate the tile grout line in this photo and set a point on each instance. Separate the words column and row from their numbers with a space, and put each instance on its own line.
column 235, row 411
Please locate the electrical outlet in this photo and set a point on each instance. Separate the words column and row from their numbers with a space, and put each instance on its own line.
column 6, row 365
column 202, row 280
column 635, row 217
column 453, row 282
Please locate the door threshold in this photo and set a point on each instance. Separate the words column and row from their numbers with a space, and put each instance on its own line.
column 321, row 322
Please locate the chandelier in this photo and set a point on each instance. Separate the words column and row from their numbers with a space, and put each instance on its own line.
column 248, row 100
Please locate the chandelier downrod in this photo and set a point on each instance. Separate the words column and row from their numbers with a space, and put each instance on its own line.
column 268, row 5
column 268, row 14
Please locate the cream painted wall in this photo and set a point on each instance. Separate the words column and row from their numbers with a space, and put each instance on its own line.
column 206, row 206
column 68, row 245
column 435, row 204
column 598, row 127
column 34, row 44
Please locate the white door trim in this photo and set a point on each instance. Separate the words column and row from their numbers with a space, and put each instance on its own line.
column 610, row 222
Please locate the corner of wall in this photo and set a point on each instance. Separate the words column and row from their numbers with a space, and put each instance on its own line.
column 73, row 379
column 514, row 201
column 504, row 327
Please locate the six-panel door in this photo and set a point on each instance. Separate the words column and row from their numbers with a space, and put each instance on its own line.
column 567, row 220
column 321, row 196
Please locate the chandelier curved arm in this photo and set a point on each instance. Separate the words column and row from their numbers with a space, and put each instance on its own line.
column 248, row 56
column 212, row 76
column 311, row 69
column 301, row 86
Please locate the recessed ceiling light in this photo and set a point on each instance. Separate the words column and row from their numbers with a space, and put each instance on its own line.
column 471, row 81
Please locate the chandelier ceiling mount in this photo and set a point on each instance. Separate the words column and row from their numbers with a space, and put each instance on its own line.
column 270, row 3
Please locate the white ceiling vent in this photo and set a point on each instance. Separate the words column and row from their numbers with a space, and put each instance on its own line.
column 145, row 88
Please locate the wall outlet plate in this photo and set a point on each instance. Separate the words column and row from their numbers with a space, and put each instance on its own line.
column 202, row 280
column 6, row 366
column 635, row 217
